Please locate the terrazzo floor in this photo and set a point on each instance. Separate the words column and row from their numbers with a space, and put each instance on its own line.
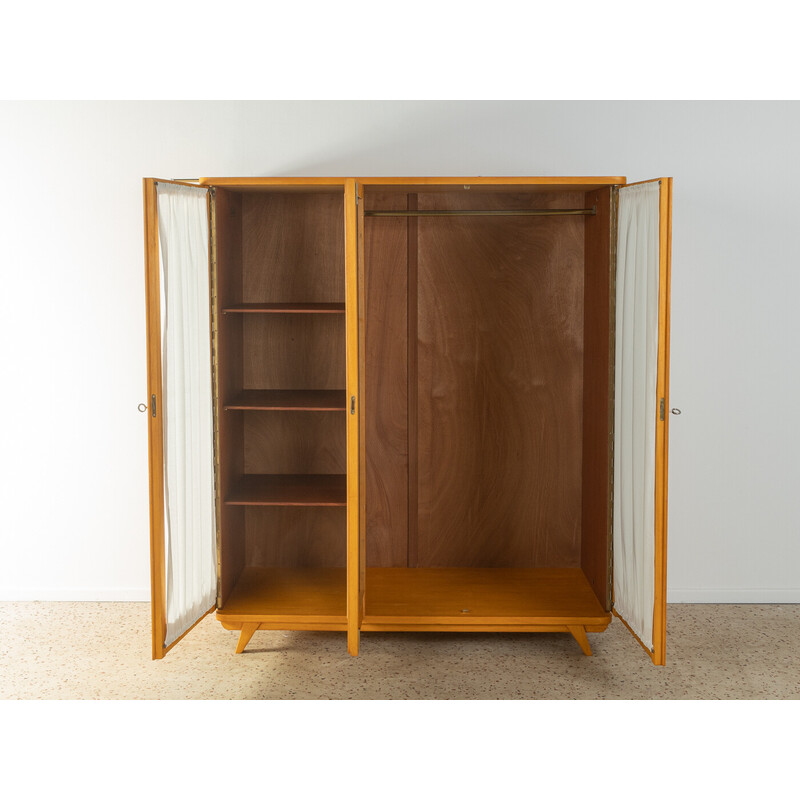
column 102, row 651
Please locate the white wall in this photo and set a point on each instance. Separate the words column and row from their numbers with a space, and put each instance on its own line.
column 74, row 449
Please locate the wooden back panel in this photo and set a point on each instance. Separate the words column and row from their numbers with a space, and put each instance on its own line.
column 294, row 442
column 386, row 390
column 293, row 351
column 293, row 247
column 228, row 246
column 598, row 385
column 293, row 252
column 500, row 360
column 290, row 249
column 296, row 537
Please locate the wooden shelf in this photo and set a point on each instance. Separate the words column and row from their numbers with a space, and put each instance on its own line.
column 289, row 400
column 489, row 599
column 285, row 308
column 289, row 490
column 294, row 595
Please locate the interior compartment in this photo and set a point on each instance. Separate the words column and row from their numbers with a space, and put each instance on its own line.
column 280, row 359
column 487, row 401
column 293, row 351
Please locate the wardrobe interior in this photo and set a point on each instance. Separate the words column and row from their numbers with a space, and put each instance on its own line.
column 488, row 380
column 280, row 374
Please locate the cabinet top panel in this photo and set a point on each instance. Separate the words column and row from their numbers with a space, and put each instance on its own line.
column 278, row 184
column 497, row 183
column 407, row 183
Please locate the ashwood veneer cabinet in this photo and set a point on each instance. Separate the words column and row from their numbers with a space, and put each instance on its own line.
column 408, row 404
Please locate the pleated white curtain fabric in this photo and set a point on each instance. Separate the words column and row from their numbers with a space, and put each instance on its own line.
column 635, row 407
column 186, row 407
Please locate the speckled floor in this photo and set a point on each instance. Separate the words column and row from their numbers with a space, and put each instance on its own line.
column 102, row 651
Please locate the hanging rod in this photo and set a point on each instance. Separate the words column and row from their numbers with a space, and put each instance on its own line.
column 532, row 212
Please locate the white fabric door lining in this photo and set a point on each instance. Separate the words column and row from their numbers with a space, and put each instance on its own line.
column 186, row 407
column 635, row 406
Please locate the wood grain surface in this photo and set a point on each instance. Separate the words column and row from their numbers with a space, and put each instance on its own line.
column 288, row 400
column 472, row 183
column 282, row 353
column 386, row 384
column 361, row 544
column 662, row 430
column 293, row 247
column 294, row 442
column 285, row 308
column 412, row 260
column 155, row 428
column 306, row 595
column 598, row 387
column 494, row 596
column 296, row 537
column 293, row 351
column 353, row 323
column 500, row 345
column 228, row 245
column 288, row 490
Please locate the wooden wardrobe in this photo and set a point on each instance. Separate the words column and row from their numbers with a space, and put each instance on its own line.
column 413, row 385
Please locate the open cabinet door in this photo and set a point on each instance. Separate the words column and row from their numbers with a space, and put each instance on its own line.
column 641, row 400
column 181, row 448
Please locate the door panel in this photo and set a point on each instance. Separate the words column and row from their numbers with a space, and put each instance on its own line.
column 662, row 438
column 641, row 422
column 154, row 428
column 182, row 514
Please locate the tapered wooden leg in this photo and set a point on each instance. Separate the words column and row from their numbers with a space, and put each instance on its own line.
column 248, row 629
column 353, row 637
column 579, row 632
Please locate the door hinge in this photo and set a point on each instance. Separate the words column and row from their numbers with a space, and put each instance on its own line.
column 661, row 410
column 153, row 404
column 353, row 404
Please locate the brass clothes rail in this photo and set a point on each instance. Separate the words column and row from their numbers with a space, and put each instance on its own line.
column 531, row 212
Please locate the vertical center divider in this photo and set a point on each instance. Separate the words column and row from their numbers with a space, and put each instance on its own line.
column 354, row 593
column 413, row 382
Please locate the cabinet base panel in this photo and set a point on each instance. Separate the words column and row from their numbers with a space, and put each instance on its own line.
column 287, row 624
column 519, row 600
column 287, row 599
column 440, row 600
column 377, row 627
